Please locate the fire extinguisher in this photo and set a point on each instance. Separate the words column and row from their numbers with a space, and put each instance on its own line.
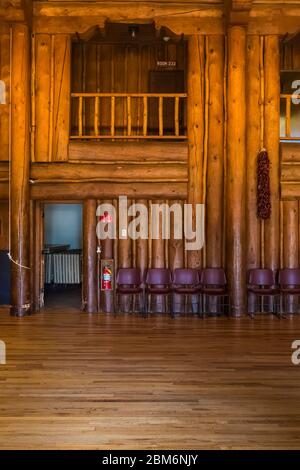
column 106, row 278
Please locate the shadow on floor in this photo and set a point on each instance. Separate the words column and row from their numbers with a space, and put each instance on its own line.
column 63, row 296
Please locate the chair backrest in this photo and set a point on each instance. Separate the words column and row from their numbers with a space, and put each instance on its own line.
column 185, row 276
column 289, row 277
column 129, row 276
column 261, row 277
column 213, row 276
column 158, row 276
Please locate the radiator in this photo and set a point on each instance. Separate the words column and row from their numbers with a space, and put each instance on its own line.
column 48, row 269
column 63, row 268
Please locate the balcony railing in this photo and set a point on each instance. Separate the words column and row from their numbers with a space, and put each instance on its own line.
column 98, row 116
column 289, row 117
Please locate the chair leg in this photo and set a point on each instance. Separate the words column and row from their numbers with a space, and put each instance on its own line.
column 200, row 311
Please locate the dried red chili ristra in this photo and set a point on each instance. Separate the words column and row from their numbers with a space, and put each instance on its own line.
column 264, row 207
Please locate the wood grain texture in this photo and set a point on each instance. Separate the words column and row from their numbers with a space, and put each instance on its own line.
column 236, row 167
column 42, row 98
column 4, row 221
column 98, row 190
column 89, row 257
column 169, row 172
column 131, row 151
column 195, row 127
column 52, row 96
column 5, row 77
column 215, row 158
column 253, row 94
column 61, row 97
column 20, row 159
column 290, row 234
column 272, row 92
column 116, row 382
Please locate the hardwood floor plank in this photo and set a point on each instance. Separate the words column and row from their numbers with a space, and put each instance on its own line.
column 102, row 381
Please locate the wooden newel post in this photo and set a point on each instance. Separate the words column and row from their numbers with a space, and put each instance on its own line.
column 89, row 256
column 236, row 168
column 20, row 159
column 195, row 121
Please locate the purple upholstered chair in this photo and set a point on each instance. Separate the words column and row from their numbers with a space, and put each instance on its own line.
column 214, row 289
column 158, row 282
column 185, row 283
column 129, row 282
column 289, row 283
column 261, row 284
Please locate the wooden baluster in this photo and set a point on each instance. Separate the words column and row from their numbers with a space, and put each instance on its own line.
column 161, row 121
column 176, row 115
column 145, row 116
column 128, row 115
column 96, row 116
column 112, row 116
column 288, row 117
column 80, row 116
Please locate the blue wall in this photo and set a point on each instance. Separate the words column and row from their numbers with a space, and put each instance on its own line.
column 63, row 224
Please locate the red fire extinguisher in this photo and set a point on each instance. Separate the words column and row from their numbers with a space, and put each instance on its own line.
column 106, row 278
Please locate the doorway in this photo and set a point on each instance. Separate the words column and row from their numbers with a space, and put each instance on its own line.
column 62, row 254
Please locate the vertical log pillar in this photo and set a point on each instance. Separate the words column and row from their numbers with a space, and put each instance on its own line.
column 290, row 246
column 236, row 166
column 142, row 247
column 215, row 158
column 254, row 134
column 89, row 257
column 290, row 234
column 271, row 138
column 176, row 257
column 20, row 158
column 125, row 261
column 195, row 126
column 158, row 260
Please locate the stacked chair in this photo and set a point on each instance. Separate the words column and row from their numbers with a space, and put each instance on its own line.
column 289, row 284
column 158, row 283
column 129, row 282
column 281, row 291
column 215, row 297
column 204, row 290
column 262, row 286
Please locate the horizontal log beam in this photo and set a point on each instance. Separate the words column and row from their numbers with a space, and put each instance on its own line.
column 75, row 191
column 60, row 172
column 128, row 10
column 188, row 18
column 290, row 152
column 129, row 152
column 290, row 190
column 290, row 171
column 71, row 17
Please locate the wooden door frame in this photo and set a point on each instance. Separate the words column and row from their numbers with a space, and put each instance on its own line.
column 37, row 247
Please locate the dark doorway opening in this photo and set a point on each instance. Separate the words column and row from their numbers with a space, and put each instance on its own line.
column 62, row 255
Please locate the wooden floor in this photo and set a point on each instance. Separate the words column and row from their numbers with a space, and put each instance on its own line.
column 79, row 381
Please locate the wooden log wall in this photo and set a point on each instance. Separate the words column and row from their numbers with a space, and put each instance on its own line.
column 142, row 253
column 50, row 116
column 120, row 68
column 4, row 215
column 20, row 158
column 236, row 167
column 290, row 176
column 5, row 41
column 220, row 169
